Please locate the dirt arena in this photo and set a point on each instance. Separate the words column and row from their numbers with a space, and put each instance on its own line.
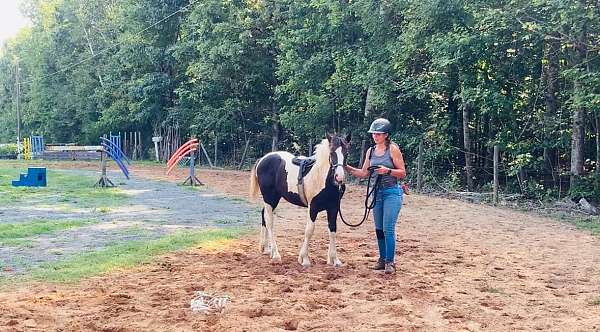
column 461, row 267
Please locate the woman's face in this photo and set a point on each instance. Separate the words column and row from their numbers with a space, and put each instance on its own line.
column 379, row 138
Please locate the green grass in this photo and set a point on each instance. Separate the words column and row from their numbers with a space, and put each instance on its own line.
column 591, row 224
column 488, row 289
column 65, row 190
column 595, row 301
column 126, row 255
column 16, row 234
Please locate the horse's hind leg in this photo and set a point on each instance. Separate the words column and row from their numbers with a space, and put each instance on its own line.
column 269, row 222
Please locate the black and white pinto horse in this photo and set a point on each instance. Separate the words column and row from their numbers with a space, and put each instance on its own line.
column 276, row 177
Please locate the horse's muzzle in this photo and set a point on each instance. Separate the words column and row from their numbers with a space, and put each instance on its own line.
column 339, row 179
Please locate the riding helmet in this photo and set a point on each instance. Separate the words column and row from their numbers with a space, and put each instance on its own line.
column 380, row 126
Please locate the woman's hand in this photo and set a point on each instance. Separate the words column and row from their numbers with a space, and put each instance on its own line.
column 349, row 169
column 381, row 170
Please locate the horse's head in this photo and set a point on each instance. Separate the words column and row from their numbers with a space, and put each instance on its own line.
column 338, row 153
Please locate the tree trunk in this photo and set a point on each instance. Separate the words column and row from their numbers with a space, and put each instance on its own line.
column 368, row 104
column 467, row 145
column 454, row 116
column 597, row 147
column 367, row 114
column 577, row 138
column 87, row 38
column 276, row 130
column 577, row 144
column 550, row 79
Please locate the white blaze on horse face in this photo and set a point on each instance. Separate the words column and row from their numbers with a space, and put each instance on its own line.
column 339, row 170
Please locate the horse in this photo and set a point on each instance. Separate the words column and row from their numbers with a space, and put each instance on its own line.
column 276, row 175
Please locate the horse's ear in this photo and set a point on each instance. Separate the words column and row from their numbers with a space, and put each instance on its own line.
column 348, row 137
column 329, row 136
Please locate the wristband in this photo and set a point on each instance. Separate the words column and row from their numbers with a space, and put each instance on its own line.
column 389, row 172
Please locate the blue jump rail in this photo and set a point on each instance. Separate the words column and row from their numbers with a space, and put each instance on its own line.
column 117, row 160
column 115, row 148
column 115, row 156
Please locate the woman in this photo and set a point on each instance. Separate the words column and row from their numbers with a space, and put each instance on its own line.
column 388, row 157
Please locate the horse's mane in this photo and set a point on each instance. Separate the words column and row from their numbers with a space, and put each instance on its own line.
column 315, row 179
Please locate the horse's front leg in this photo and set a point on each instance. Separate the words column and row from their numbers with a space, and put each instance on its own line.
column 332, row 252
column 308, row 232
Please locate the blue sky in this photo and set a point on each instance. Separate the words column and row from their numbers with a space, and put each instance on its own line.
column 11, row 19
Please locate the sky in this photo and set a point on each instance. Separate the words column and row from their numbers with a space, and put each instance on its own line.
column 11, row 19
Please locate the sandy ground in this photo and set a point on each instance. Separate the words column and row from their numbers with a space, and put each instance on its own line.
column 462, row 267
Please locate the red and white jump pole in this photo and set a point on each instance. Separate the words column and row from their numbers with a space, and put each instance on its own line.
column 188, row 148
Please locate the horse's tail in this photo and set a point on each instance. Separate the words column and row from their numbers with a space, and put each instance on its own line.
column 254, row 182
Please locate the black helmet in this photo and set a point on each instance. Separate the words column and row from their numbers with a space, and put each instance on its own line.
column 380, row 126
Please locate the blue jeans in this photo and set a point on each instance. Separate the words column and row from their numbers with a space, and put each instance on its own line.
column 386, row 211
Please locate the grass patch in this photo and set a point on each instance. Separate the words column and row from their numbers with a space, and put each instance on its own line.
column 595, row 301
column 492, row 290
column 591, row 224
column 16, row 234
column 127, row 255
column 20, row 242
column 238, row 199
column 65, row 190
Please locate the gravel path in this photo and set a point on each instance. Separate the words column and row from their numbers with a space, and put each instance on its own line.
column 152, row 210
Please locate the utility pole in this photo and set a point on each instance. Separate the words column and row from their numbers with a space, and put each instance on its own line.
column 17, row 74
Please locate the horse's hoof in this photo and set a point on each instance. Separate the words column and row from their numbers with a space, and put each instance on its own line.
column 305, row 262
column 276, row 258
column 334, row 262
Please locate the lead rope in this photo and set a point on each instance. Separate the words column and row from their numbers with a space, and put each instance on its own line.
column 368, row 205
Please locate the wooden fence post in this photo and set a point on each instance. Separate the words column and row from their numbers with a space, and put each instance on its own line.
column 244, row 155
column 216, row 147
column 420, row 167
column 135, row 143
column 496, row 161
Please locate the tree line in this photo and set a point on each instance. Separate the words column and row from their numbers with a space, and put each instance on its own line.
column 457, row 76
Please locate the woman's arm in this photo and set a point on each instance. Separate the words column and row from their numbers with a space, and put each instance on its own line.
column 399, row 170
column 398, row 159
column 360, row 172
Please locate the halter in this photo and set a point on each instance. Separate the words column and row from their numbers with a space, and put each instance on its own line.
column 333, row 166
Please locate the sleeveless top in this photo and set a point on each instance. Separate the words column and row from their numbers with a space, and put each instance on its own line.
column 383, row 160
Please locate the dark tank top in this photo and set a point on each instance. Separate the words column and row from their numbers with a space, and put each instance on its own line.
column 383, row 160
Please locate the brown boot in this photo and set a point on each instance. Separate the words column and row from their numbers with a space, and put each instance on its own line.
column 390, row 268
column 380, row 266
